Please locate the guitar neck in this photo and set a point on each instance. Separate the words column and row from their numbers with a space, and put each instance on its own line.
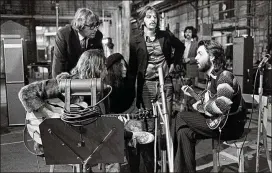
column 131, row 116
column 194, row 94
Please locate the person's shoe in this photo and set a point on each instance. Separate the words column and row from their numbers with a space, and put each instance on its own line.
column 38, row 148
column 143, row 137
column 113, row 167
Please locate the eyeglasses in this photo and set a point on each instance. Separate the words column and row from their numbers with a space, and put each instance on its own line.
column 92, row 27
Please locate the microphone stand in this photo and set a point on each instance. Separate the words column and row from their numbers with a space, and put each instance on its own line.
column 166, row 129
column 259, row 117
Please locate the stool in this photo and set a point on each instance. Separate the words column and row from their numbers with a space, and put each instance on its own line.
column 240, row 150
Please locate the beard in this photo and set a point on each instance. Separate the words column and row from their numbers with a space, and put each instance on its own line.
column 205, row 67
column 187, row 36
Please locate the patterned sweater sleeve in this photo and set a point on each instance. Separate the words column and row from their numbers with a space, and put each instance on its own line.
column 225, row 89
column 33, row 96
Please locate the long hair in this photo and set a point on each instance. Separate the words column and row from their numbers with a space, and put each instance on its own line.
column 114, row 75
column 215, row 49
column 91, row 64
column 84, row 16
column 142, row 15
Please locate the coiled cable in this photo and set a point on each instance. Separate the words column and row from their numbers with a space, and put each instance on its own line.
column 83, row 116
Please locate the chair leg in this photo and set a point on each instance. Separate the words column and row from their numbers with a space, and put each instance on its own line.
column 52, row 167
column 102, row 167
column 214, row 150
column 77, row 168
column 268, row 157
column 241, row 160
column 246, row 165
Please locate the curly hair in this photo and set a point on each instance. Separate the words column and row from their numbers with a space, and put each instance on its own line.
column 215, row 49
column 91, row 64
column 83, row 17
column 142, row 15
column 194, row 31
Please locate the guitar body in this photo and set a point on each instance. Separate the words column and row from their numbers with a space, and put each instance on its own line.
column 206, row 97
column 34, row 119
column 216, row 122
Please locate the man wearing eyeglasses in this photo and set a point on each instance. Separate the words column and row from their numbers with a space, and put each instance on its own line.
column 72, row 40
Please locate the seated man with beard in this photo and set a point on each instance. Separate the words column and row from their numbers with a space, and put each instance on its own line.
column 223, row 98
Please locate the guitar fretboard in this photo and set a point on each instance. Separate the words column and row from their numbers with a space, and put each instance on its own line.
column 193, row 93
column 131, row 116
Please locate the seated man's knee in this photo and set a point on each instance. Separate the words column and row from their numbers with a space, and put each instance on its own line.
column 184, row 133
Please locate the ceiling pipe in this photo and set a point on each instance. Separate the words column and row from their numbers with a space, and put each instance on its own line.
column 40, row 17
column 165, row 9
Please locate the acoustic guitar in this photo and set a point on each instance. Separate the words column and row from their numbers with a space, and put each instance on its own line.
column 213, row 122
column 34, row 119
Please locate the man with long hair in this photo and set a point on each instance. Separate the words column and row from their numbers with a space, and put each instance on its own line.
column 149, row 49
column 72, row 40
column 223, row 98
column 91, row 64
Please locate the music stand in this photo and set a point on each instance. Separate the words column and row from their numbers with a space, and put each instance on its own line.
column 99, row 142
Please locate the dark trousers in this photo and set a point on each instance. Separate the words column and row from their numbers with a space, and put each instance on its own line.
column 151, row 91
column 189, row 127
column 134, row 154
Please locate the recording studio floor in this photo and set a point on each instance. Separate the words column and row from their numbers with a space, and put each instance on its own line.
column 15, row 157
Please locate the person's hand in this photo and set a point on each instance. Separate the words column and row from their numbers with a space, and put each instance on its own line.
column 171, row 69
column 196, row 104
column 124, row 119
column 186, row 60
column 63, row 75
column 178, row 67
column 185, row 88
column 55, row 115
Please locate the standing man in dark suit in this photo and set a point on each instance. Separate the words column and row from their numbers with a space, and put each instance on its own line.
column 72, row 40
column 190, row 54
column 149, row 49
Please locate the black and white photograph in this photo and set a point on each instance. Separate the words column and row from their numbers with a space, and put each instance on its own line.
column 136, row 86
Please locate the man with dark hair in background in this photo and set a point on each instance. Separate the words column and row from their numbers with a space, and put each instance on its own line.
column 190, row 54
column 72, row 40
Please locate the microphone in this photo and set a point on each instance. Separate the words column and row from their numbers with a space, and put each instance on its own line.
column 264, row 60
column 83, row 86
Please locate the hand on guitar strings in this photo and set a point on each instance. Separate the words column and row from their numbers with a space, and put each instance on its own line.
column 124, row 119
column 185, row 88
column 196, row 104
column 55, row 115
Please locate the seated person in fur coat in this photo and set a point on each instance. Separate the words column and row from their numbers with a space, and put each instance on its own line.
column 90, row 65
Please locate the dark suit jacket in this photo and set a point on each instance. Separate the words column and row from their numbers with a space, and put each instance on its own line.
column 139, row 56
column 67, row 49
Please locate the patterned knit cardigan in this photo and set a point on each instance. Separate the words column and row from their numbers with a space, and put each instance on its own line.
column 226, row 93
